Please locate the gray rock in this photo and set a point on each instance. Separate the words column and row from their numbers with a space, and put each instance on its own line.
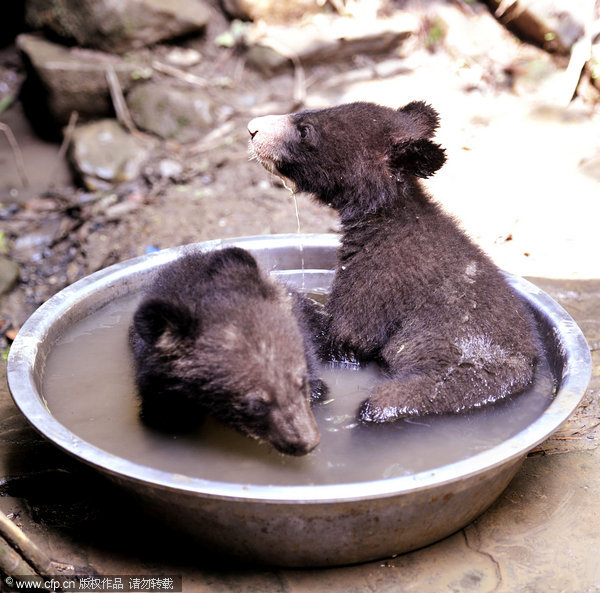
column 327, row 40
column 176, row 113
column 72, row 79
column 9, row 274
column 104, row 154
column 272, row 11
column 118, row 25
column 170, row 169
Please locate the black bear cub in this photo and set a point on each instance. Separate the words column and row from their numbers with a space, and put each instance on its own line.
column 411, row 290
column 213, row 334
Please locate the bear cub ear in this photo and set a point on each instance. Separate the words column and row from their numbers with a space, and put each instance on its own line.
column 228, row 257
column 156, row 316
column 421, row 158
column 423, row 119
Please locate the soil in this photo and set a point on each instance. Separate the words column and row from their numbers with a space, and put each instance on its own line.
column 522, row 176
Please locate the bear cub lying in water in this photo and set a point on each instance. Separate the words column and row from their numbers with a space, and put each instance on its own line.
column 213, row 334
column 411, row 290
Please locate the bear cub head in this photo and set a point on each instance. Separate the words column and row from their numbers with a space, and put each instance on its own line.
column 214, row 335
column 355, row 157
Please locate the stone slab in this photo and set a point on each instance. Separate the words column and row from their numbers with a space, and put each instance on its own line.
column 118, row 26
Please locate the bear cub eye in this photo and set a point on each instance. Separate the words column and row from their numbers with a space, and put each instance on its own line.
column 304, row 130
column 256, row 406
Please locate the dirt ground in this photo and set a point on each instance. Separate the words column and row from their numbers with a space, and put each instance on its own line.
column 523, row 162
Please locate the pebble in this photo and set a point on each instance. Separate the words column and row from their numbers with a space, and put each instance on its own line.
column 170, row 169
column 180, row 56
column 27, row 246
column 9, row 274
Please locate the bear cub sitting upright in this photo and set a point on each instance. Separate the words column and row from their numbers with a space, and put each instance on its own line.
column 411, row 290
column 213, row 334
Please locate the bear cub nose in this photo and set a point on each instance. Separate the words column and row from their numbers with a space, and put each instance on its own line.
column 253, row 127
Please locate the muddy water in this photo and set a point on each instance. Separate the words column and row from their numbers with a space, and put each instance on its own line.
column 88, row 385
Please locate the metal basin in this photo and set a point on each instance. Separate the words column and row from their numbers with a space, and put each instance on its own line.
column 298, row 525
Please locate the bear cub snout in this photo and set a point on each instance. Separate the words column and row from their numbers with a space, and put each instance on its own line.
column 213, row 334
column 411, row 290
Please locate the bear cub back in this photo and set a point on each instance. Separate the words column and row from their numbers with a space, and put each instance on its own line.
column 213, row 334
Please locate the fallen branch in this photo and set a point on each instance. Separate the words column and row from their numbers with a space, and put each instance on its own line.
column 14, row 145
column 213, row 139
column 118, row 100
column 505, row 6
column 35, row 557
column 120, row 106
column 180, row 74
column 565, row 438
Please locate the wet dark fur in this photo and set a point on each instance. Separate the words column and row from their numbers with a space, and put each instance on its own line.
column 411, row 289
column 214, row 334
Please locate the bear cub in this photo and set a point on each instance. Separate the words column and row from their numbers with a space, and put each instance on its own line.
column 213, row 334
column 411, row 290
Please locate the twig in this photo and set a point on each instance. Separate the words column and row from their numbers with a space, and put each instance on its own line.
column 586, row 428
column 62, row 151
column 581, row 52
column 213, row 139
column 120, row 106
column 338, row 6
column 566, row 438
column 505, row 5
column 30, row 551
column 238, row 70
column 16, row 152
column 181, row 74
column 11, row 562
column 118, row 100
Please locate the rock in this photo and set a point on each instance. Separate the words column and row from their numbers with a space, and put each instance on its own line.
column 553, row 24
column 9, row 274
column 29, row 247
column 11, row 334
column 327, row 40
column 104, row 154
column 271, row 11
column 176, row 113
column 475, row 34
column 70, row 79
column 184, row 57
column 170, row 169
column 118, row 26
